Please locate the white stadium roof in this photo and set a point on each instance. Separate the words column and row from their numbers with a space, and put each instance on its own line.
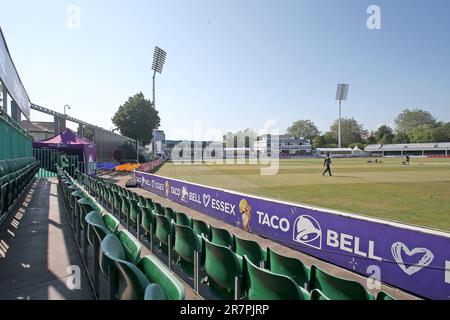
column 408, row 147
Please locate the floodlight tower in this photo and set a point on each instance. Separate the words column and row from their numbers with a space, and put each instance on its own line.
column 341, row 95
column 159, row 58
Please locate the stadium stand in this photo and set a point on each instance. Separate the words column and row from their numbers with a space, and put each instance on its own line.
column 230, row 267
column 416, row 149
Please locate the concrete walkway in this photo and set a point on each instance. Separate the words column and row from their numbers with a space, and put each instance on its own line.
column 38, row 250
column 121, row 179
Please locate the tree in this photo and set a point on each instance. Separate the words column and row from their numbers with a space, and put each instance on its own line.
column 409, row 120
column 88, row 133
column 137, row 118
column 351, row 131
column 422, row 134
column 401, row 137
column 442, row 133
column 303, row 129
column 384, row 135
column 325, row 141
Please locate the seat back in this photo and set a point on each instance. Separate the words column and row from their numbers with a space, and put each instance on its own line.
column 221, row 237
column 384, row 296
column 147, row 219
column 134, row 209
column 158, row 273
column 261, row 284
column 110, row 247
column 288, row 266
column 111, row 223
column 222, row 265
column 158, row 208
column 169, row 213
column 251, row 249
column 131, row 247
column 132, row 282
column 201, row 227
column 183, row 219
column 163, row 229
column 186, row 242
column 316, row 294
column 96, row 227
column 336, row 288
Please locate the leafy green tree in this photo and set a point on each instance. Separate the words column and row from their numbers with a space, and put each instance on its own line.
column 351, row 131
column 88, row 133
column 422, row 134
column 401, row 137
column 137, row 118
column 409, row 120
column 303, row 129
column 442, row 133
column 384, row 135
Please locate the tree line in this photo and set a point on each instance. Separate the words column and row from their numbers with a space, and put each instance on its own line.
column 411, row 126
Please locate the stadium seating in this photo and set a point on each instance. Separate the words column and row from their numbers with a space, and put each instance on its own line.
column 157, row 273
column 188, row 248
column 235, row 268
column 183, row 219
column 251, row 249
column 384, row 296
column 169, row 213
column 261, row 284
column 222, row 237
column 224, row 271
column 316, row 294
column 201, row 227
column 15, row 175
column 337, row 288
column 287, row 266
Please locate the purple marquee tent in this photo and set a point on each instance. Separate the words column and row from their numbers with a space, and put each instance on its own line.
column 70, row 142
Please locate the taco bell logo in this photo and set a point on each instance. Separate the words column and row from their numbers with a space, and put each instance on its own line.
column 184, row 194
column 307, row 231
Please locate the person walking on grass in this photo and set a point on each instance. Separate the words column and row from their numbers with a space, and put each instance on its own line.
column 327, row 164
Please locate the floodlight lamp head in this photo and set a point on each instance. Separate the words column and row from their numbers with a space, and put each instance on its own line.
column 342, row 91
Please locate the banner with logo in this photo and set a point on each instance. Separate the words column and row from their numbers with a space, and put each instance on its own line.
column 413, row 259
column 11, row 79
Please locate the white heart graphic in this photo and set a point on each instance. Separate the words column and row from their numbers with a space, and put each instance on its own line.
column 398, row 248
column 206, row 200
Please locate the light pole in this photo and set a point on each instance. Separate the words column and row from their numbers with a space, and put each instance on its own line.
column 66, row 106
column 159, row 58
column 341, row 95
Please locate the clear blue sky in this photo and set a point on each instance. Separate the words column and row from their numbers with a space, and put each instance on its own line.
column 234, row 64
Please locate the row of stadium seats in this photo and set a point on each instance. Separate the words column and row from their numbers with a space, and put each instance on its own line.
column 235, row 268
column 116, row 253
column 15, row 175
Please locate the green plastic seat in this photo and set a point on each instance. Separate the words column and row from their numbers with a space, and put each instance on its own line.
column 135, row 210
column 158, row 273
column 183, row 219
column 188, row 248
column 131, row 282
column 261, row 284
column 291, row 267
column 117, row 207
column 158, row 208
column 132, row 247
column 164, row 231
column 336, row 288
column 222, row 237
column 154, row 292
column 96, row 227
column 201, row 227
column 169, row 213
column 224, row 271
column 316, row 294
column 125, row 210
column 384, row 296
column 251, row 249
column 149, row 203
column 147, row 220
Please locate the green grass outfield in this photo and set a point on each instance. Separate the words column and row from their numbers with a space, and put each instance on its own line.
column 418, row 194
